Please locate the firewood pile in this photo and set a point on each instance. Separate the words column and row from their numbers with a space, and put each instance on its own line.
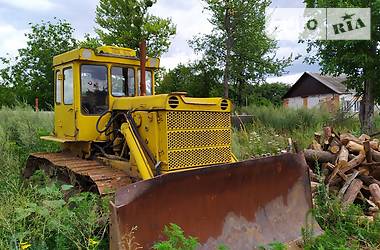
column 349, row 166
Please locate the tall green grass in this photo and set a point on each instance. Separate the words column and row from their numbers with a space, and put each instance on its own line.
column 38, row 214
column 272, row 126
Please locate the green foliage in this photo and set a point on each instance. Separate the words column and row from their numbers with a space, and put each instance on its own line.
column 30, row 74
column 287, row 120
column 40, row 212
column 90, row 42
column 176, row 240
column 127, row 22
column 238, row 44
column 272, row 126
column 201, row 80
column 274, row 246
column 197, row 79
column 267, row 94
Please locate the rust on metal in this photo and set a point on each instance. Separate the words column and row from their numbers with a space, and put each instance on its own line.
column 241, row 205
column 90, row 175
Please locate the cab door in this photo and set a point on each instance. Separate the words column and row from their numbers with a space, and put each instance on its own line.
column 65, row 104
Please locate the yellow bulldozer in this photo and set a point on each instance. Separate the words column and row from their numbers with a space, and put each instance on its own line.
column 166, row 158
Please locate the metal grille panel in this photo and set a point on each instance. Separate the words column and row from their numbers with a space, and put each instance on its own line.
column 198, row 157
column 197, row 120
column 198, row 138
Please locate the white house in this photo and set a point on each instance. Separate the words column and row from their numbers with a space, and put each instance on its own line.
column 315, row 90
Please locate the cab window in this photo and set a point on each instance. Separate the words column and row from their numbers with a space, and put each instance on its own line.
column 148, row 82
column 123, row 81
column 94, row 89
column 68, row 86
column 58, row 87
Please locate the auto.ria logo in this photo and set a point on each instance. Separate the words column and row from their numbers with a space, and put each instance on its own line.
column 319, row 23
column 349, row 23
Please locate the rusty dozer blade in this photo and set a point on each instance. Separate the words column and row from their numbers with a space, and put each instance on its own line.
column 242, row 205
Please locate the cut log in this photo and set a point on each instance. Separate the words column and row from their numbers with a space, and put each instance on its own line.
column 352, row 192
column 341, row 175
column 374, row 144
column 368, row 180
column 342, row 160
column 346, row 138
column 374, row 172
column 368, row 151
column 373, row 165
column 353, row 163
column 354, row 147
column 332, row 176
column 317, row 137
column 334, row 149
column 375, row 155
column 363, row 170
column 315, row 146
column 348, row 182
column 375, row 192
column 327, row 132
column 319, row 156
column 364, row 138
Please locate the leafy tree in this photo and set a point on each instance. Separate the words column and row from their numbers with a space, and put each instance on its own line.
column 29, row 74
column 90, row 42
column 359, row 60
column 127, row 22
column 239, row 45
column 267, row 94
column 197, row 79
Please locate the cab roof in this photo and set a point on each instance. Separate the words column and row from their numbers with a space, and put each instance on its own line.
column 105, row 54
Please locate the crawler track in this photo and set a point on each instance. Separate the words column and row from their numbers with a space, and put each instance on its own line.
column 89, row 175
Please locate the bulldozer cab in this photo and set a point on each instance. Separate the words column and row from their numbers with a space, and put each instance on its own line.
column 87, row 83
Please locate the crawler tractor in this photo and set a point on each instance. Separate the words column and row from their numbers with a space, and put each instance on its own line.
column 166, row 158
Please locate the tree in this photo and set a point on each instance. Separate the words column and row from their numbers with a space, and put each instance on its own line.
column 29, row 74
column 239, row 45
column 127, row 22
column 90, row 42
column 359, row 60
column 197, row 79
column 267, row 94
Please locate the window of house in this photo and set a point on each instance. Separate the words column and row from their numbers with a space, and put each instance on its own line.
column 68, row 86
column 148, row 82
column 123, row 81
column 58, row 87
column 94, row 89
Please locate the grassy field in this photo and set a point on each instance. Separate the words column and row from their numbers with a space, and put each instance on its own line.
column 39, row 215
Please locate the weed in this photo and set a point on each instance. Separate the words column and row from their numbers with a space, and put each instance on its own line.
column 176, row 240
column 274, row 246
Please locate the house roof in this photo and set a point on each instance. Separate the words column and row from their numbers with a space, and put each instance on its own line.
column 334, row 83
column 315, row 84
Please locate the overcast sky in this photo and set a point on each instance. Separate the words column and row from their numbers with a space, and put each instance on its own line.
column 188, row 15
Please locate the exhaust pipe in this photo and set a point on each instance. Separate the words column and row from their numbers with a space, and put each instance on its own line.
column 142, row 68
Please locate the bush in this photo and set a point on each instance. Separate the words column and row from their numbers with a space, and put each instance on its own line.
column 176, row 240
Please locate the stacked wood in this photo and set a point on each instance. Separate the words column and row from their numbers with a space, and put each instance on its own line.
column 349, row 166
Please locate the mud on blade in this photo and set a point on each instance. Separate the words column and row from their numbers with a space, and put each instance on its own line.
column 241, row 205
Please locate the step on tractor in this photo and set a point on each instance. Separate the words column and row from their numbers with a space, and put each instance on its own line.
column 165, row 158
